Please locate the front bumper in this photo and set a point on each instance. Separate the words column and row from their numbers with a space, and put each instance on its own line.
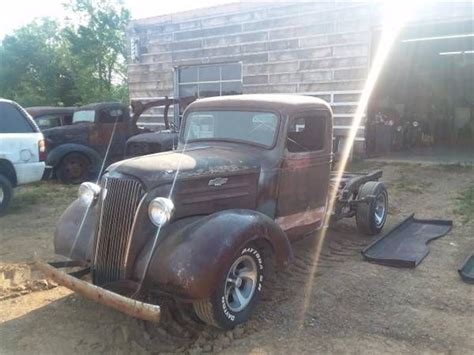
column 131, row 307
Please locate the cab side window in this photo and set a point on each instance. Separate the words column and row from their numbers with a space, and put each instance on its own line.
column 306, row 133
column 67, row 119
column 111, row 115
column 48, row 121
column 12, row 120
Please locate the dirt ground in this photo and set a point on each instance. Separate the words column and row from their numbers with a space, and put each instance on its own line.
column 347, row 306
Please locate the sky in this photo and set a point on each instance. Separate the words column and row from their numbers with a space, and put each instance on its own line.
column 16, row 13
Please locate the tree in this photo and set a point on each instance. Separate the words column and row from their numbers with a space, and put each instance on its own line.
column 97, row 48
column 43, row 63
column 32, row 66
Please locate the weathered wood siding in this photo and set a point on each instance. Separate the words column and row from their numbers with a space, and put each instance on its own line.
column 320, row 48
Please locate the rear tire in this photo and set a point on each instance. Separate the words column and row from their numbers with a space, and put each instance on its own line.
column 236, row 296
column 6, row 193
column 371, row 217
column 73, row 168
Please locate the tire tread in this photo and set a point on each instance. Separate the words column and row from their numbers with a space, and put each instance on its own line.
column 363, row 212
column 8, row 193
column 203, row 309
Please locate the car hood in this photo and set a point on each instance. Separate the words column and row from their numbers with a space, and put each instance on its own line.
column 193, row 163
column 77, row 133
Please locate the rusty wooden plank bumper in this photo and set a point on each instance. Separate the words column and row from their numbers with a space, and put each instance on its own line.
column 133, row 308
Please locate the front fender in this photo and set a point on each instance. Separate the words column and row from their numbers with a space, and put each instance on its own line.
column 56, row 154
column 190, row 260
column 74, row 232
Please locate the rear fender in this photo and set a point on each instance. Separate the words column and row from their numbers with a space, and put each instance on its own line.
column 189, row 261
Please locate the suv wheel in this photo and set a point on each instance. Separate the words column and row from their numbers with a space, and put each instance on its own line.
column 237, row 293
column 371, row 217
column 73, row 169
column 6, row 192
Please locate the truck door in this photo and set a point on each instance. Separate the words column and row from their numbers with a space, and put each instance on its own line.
column 106, row 119
column 305, row 172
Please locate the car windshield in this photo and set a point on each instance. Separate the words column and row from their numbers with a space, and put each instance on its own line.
column 241, row 126
column 83, row 116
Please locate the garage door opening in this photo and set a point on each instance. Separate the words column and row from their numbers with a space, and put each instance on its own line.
column 423, row 102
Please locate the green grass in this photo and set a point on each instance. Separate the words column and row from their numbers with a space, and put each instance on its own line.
column 47, row 192
column 407, row 183
column 404, row 183
column 465, row 204
column 361, row 165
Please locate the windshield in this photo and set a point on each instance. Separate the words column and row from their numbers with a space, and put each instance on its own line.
column 241, row 126
column 83, row 116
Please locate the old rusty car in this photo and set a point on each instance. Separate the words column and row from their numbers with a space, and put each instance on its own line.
column 76, row 151
column 47, row 117
column 201, row 223
column 157, row 141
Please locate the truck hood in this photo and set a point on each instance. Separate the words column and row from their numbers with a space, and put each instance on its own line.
column 192, row 164
column 77, row 133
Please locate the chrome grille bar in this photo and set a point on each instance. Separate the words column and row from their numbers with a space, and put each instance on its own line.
column 120, row 199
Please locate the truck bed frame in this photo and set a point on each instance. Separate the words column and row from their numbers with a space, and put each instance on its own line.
column 347, row 191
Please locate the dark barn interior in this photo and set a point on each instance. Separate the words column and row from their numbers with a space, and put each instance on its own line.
column 423, row 102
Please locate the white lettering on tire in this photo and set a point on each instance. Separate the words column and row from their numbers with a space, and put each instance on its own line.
column 257, row 256
column 227, row 313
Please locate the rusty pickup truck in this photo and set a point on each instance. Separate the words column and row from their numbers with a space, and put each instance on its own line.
column 202, row 223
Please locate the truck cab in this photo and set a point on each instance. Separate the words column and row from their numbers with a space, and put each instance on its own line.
column 76, row 151
column 250, row 174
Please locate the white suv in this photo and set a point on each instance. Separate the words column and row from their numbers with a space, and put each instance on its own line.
column 22, row 150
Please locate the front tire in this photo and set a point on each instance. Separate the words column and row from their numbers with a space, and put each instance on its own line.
column 73, row 169
column 238, row 290
column 371, row 217
column 6, row 193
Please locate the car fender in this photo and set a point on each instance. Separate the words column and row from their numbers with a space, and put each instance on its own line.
column 74, row 236
column 58, row 153
column 189, row 260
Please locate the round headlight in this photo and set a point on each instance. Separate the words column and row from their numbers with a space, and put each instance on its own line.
column 160, row 211
column 88, row 192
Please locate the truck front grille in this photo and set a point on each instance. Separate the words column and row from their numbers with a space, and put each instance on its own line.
column 120, row 199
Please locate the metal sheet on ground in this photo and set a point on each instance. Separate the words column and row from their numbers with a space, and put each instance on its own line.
column 406, row 244
column 467, row 270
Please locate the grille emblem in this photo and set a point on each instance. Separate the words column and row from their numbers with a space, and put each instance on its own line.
column 218, row 181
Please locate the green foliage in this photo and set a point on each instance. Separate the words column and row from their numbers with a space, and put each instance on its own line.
column 32, row 68
column 97, row 48
column 45, row 64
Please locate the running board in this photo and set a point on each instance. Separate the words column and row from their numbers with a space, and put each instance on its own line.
column 405, row 245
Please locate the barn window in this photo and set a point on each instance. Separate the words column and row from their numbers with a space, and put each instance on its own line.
column 210, row 80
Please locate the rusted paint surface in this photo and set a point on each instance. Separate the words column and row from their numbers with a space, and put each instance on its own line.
column 190, row 260
column 307, row 217
column 258, row 188
column 96, row 134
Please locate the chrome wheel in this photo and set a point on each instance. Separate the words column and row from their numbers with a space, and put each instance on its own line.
column 380, row 208
column 240, row 283
column 2, row 195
